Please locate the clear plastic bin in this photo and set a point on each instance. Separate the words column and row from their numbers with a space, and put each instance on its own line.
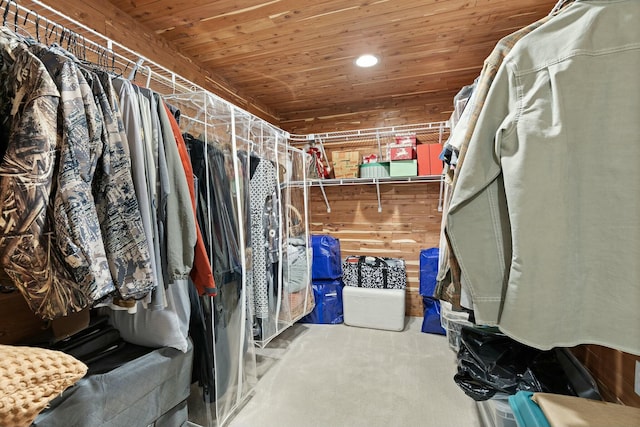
column 452, row 322
column 504, row 413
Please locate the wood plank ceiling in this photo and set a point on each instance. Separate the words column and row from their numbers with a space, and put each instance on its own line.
column 296, row 57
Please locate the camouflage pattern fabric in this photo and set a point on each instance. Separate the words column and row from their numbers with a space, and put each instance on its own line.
column 117, row 205
column 28, row 253
column 76, row 221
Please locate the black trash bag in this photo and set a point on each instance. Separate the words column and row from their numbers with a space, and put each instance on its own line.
column 490, row 362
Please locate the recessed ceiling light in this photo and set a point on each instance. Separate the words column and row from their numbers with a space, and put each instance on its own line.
column 366, row 61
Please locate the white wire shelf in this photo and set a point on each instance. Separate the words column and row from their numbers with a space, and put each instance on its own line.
column 372, row 133
column 365, row 181
column 322, row 183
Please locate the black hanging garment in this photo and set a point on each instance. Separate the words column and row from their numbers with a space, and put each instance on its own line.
column 217, row 216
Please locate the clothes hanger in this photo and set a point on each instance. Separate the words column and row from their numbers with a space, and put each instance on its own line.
column 53, row 34
column 46, row 31
column 559, row 5
column 72, row 44
column 62, row 34
column 82, row 49
column 26, row 16
column 23, row 28
column 100, row 57
column 6, row 12
column 114, row 69
column 16, row 15
column 148, row 77
column 37, row 23
column 50, row 34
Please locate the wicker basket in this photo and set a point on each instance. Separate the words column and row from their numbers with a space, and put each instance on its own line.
column 295, row 222
column 296, row 302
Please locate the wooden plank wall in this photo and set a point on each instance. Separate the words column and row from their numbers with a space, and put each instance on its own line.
column 371, row 114
column 409, row 222
column 613, row 370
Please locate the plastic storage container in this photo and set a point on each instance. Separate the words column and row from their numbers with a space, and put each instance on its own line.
column 504, row 416
column 452, row 322
column 404, row 168
column 374, row 308
column 374, row 170
column 526, row 411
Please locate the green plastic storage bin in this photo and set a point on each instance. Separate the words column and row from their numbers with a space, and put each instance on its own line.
column 404, row 168
column 374, row 170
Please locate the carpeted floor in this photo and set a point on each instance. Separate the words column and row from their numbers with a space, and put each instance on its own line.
column 342, row 376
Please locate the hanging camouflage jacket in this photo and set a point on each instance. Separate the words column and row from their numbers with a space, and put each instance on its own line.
column 28, row 252
column 117, row 205
column 76, row 222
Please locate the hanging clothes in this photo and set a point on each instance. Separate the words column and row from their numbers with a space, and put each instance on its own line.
column 215, row 207
column 29, row 253
column 201, row 273
column 180, row 226
column 158, row 183
column 263, row 184
column 117, row 206
column 535, row 200
column 213, row 167
column 449, row 287
column 132, row 123
column 76, row 222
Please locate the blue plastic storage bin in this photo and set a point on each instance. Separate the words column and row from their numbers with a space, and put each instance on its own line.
column 428, row 271
column 327, row 260
column 328, row 298
column 526, row 411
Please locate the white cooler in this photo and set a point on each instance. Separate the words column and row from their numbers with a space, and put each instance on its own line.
column 374, row 308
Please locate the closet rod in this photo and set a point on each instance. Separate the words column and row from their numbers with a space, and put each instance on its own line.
column 167, row 77
column 21, row 15
column 281, row 144
column 109, row 42
column 177, row 83
column 198, row 99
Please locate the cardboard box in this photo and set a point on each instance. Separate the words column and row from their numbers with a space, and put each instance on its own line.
column 429, row 162
column 345, row 164
column 371, row 158
column 404, row 168
column 424, row 165
column 404, row 148
column 435, row 163
column 406, row 139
